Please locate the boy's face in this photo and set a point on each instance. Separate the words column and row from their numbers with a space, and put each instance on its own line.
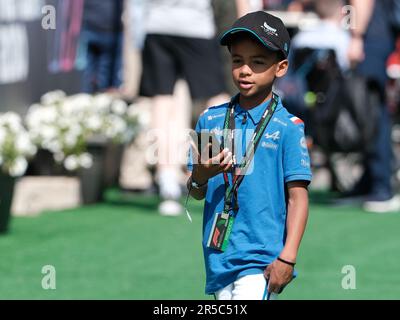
column 254, row 67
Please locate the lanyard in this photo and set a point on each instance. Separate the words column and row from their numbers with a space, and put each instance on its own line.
column 241, row 169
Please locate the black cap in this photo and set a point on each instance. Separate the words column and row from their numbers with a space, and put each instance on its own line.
column 268, row 29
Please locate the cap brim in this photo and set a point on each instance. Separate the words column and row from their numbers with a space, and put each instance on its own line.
column 226, row 37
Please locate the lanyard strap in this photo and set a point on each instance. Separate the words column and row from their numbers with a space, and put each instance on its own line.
column 242, row 168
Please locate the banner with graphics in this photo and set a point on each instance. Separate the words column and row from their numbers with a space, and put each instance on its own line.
column 39, row 50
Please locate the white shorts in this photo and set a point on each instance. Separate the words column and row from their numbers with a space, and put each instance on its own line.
column 251, row 287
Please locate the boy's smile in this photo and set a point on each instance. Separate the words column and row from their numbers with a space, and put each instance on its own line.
column 254, row 69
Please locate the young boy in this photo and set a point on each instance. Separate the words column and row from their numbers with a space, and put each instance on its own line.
column 256, row 201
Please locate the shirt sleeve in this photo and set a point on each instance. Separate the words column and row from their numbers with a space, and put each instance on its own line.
column 296, row 159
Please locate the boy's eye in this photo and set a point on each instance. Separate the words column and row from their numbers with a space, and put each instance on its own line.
column 259, row 62
column 236, row 60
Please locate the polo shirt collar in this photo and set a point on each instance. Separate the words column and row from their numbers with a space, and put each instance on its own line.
column 256, row 113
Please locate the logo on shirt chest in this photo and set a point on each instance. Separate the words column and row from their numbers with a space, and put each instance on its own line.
column 273, row 136
column 269, row 145
column 271, row 140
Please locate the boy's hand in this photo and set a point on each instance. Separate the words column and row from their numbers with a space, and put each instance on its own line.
column 278, row 275
column 206, row 167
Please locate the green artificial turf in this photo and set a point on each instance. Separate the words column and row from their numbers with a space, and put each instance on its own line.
column 122, row 249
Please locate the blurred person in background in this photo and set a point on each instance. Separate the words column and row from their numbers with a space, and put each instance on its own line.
column 288, row 5
column 180, row 43
column 102, row 33
column 328, row 33
column 372, row 41
column 314, row 43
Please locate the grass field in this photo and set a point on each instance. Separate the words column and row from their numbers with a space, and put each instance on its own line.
column 122, row 249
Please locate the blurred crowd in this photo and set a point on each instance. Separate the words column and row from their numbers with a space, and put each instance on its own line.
column 344, row 78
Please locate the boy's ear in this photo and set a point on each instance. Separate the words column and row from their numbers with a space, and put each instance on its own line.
column 282, row 68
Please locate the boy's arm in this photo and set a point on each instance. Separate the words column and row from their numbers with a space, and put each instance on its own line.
column 296, row 219
column 279, row 273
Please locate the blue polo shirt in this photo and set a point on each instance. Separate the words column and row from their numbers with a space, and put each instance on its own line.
column 258, row 233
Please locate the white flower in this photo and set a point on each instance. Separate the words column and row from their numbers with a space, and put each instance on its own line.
column 66, row 122
column 76, row 104
column 86, row 160
column 116, row 127
column 49, row 114
column 59, row 157
column 49, row 133
column 12, row 120
column 71, row 163
column 2, row 135
column 63, row 125
column 19, row 166
column 35, row 107
column 102, row 102
column 75, row 129
column 54, row 146
column 119, row 107
column 37, row 117
column 15, row 145
column 82, row 100
column 133, row 111
column 94, row 122
column 53, row 97
column 23, row 144
column 121, row 126
column 70, row 140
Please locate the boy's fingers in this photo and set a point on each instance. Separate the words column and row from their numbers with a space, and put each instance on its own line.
column 226, row 163
column 267, row 272
column 270, row 285
column 273, row 285
column 227, row 159
column 273, row 288
column 219, row 158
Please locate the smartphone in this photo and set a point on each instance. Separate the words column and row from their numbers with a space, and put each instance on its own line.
column 202, row 138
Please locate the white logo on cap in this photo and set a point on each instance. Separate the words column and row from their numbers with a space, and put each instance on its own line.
column 268, row 29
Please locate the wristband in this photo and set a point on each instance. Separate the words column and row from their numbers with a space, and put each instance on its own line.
column 196, row 185
column 286, row 262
